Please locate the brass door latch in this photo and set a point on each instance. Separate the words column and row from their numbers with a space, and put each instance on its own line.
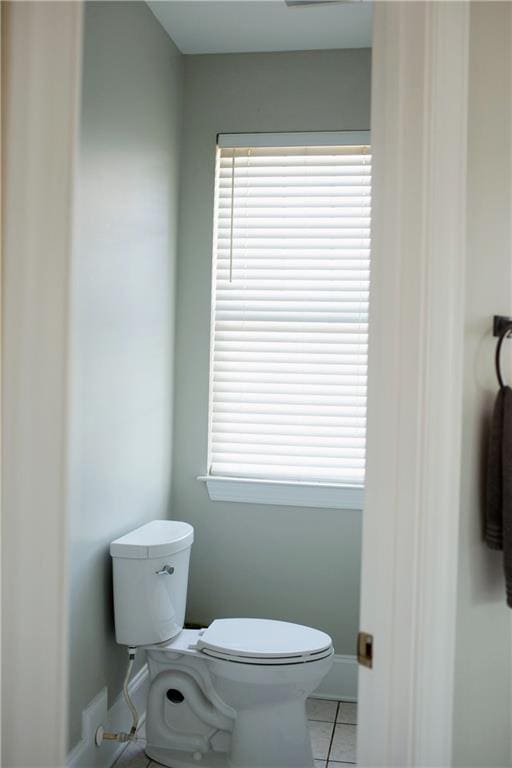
column 365, row 649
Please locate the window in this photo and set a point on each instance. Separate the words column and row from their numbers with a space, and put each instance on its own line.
column 290, row 292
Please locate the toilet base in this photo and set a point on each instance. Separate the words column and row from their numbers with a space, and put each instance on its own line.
column 173, row 758
column 272, row 737
column 230, row 714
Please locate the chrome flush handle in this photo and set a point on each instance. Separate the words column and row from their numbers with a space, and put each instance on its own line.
column 166, row 570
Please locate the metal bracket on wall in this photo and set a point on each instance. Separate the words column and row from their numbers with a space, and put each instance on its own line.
column 499, row 324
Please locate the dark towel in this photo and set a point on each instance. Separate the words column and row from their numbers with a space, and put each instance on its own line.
column 498, row 522
column 494, row 495
column 506, row 459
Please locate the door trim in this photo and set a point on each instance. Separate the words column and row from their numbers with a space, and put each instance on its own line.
column 410, row 520
column 41, row 75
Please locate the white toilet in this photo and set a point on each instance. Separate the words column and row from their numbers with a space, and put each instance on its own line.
column 230, row 695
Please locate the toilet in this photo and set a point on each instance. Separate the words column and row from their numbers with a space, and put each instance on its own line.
column 231, row 695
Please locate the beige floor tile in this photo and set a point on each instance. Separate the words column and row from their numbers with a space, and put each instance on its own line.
column 344, row 744
column 321, row 709
column 321, row 734
column 347, row 713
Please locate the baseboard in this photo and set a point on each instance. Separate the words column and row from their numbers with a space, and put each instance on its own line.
column 341, row 682
column 86, row 754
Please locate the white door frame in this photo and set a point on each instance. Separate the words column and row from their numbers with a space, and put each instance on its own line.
column 41, row 67
column 410, row 522
column 410, row 529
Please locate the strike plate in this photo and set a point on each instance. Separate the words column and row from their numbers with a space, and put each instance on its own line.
column 365, row 649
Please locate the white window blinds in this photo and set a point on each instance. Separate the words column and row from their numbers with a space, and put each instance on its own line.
column 289, row 313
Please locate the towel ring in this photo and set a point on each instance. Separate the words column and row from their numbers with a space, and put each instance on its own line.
column 505, row 332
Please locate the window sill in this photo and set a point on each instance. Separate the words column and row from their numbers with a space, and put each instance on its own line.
column 294, row 494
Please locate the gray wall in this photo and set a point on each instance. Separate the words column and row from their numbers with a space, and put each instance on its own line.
column 289, row 563
column 123, row 318
column 482, row 715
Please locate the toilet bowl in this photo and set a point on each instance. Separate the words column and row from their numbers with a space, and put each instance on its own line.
column 232, row 694
column 268, row 691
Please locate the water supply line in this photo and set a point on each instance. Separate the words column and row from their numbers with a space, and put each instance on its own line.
column 103, row 735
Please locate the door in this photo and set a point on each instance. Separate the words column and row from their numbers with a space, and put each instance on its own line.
column 410, row 528
column 40, row 77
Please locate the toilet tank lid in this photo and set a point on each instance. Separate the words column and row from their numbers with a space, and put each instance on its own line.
column 156, row 539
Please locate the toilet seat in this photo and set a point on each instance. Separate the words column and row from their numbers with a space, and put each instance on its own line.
column 264, row 641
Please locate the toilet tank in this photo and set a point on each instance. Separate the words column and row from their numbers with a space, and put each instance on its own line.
column 150, row 566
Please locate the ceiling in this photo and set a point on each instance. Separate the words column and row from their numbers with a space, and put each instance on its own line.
column 244, row 26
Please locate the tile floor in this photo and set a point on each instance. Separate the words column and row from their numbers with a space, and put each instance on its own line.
column 332, row 725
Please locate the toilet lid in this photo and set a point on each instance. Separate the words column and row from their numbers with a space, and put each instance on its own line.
column 264, row 639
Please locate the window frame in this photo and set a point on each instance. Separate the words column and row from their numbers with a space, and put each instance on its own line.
column 278, row 492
